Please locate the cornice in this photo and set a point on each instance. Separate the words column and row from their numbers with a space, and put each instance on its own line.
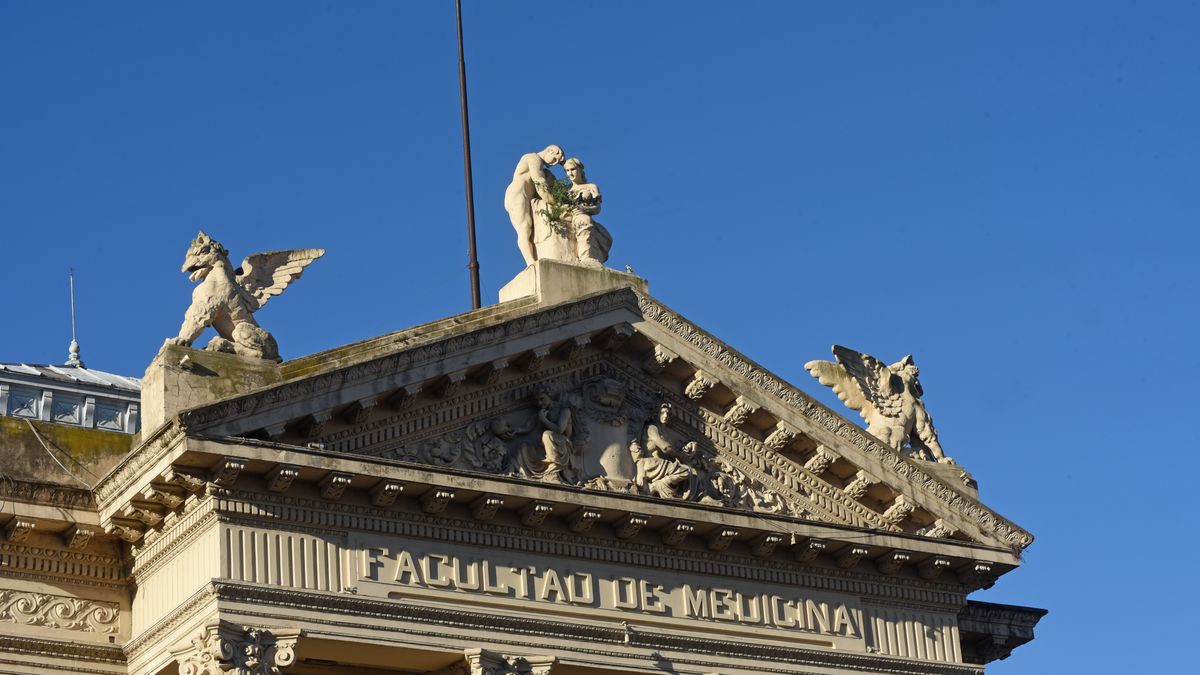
column 412, row 355
column 61, row 649
column 133, row 466
column 47, row 494
column 768, row 384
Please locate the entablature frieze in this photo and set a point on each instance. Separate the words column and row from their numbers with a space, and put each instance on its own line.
column 594, row 642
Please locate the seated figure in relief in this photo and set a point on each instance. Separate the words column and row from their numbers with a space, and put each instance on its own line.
column 592, row 240
column 661, row 470
column 553, row 459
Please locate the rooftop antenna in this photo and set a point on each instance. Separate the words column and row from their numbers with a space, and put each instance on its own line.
column 473, row 263
column 73, row 358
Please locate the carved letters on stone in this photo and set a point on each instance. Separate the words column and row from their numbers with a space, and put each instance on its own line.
column 242, row 650
column 60, row 612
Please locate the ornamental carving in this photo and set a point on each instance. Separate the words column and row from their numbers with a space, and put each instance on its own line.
column 56, row 611
column 595, row 430
column 243, row 650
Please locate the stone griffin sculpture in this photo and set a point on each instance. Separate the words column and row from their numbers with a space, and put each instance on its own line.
column 887, row 397
column 227, row 297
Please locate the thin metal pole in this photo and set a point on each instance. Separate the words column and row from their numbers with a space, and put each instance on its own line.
column 473, row 265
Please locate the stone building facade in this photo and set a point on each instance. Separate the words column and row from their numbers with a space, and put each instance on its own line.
column 577, row 480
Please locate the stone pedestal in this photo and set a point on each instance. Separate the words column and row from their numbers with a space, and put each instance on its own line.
column 181, row 377
column 553, row 282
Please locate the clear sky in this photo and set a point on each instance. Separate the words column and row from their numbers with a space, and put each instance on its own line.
column 1007, row 190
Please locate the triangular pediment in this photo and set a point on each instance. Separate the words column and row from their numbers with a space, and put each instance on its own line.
column 573, row 393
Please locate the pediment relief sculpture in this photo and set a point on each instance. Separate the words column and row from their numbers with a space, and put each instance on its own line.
column 554, row 218
column 887, row 397
column 227, row 297
column 595, row 434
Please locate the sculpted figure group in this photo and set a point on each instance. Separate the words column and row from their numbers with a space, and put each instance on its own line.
column 551, row 223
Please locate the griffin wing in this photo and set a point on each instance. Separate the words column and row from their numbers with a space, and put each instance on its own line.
column 879, row 385
column 265, row 275
column 844, row 384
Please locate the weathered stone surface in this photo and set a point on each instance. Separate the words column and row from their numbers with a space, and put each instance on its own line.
column 553, row 282
column 180, row 377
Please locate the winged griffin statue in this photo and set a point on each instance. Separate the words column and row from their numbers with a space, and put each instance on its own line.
column 887, row 397
column 228, row 297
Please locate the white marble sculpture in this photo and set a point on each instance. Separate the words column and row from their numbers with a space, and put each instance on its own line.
column 553, row 218
column 887, row 397
column 526, row 191
column 227, row 297
column 592, row 240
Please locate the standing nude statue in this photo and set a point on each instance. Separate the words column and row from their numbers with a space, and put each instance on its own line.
column 528, row 183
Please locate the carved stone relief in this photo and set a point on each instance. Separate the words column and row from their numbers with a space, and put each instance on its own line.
column 242, row 650
column 595, row 430
column 56, row 611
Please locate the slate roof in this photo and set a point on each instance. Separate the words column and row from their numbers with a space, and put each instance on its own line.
column 74, row 375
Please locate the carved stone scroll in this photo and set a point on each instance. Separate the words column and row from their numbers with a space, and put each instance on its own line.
column 740, row 411
column 675, row 532
column 436, row 499
column 58, row 612
column 857, row 488
column 781, row 437
column 820, row 460
column 700, row 384
column 900, row 509
column 658, row 359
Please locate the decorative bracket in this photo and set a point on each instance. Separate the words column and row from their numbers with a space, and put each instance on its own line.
column 18, row 529
column 225, row 473
column 808, row 550
column 485, row 507
column 436, row 499
column 782, row 436
column 534, row 514
column 849, row 556
column 582, row 520
column 281, row 477
column 721, row 537
column 629, row 526
column 821, row 460
column 674, row 533
column 334, row 485
column 658, row 359
column 891, row 562
column 700, row 384
column 764, row 544
column 385, row 492
column 740, row 411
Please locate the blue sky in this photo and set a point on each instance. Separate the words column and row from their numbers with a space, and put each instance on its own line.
column 1007, row 190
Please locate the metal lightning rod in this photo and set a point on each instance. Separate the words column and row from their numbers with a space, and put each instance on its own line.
column 473, row 265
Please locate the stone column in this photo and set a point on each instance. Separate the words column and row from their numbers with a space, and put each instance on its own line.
column 225, row 648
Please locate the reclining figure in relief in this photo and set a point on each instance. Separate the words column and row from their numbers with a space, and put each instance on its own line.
column 227, row 297
column 887, row 397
